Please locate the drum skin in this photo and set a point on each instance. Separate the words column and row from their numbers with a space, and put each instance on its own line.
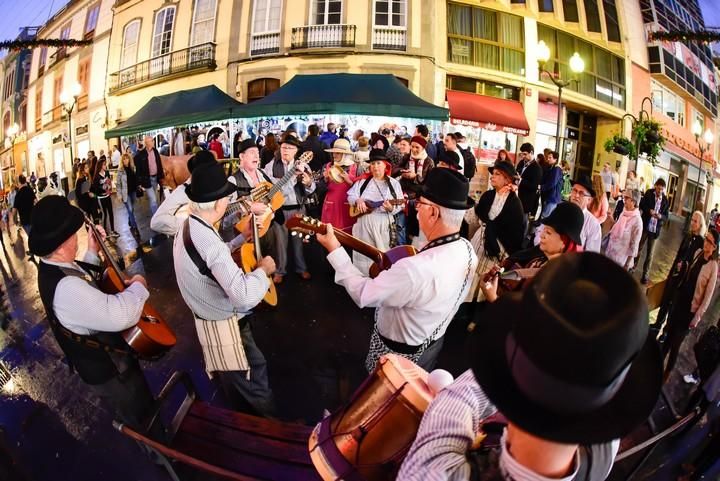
column 369, row 437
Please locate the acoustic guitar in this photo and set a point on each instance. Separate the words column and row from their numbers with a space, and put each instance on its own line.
column 271, row 195
column 512, row 277
column 372, row 205
column 151, row 337
column 247, row 258
column 306, row 227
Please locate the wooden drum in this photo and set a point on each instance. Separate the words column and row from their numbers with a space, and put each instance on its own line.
column 369, row 437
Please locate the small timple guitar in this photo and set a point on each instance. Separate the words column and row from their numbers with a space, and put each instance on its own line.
column 372, row 205
column 248, row 256
column 306, row 226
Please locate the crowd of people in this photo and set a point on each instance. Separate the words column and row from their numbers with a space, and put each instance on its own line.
column 535, row 260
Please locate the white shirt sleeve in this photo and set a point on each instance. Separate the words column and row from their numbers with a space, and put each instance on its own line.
column 164, row 221
column 389, row 289
column 593, row 239
column 354, row 193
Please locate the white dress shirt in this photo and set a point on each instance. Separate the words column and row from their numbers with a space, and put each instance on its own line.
column 590, row 235
column 84, row 309
column 234, row 292
column 172, row 212
column 414, row 296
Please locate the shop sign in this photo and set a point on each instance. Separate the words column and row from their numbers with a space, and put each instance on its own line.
column 58, row 138
column 82, row 130
column 488, row 126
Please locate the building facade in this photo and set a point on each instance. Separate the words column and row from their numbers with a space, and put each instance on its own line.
column 53, row 138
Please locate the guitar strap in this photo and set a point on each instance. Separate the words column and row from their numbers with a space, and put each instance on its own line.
column 193, row 252
column 367, row 181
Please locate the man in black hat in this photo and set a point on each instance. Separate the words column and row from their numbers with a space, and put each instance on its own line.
column 417, row 297
column 295, row 192
column 220, row 296
column 571, row 365
column 581, row 195
column 448, row 159
column 89, row 337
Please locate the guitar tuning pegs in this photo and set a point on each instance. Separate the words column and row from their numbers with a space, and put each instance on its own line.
column 307, row 237
column 293, row 233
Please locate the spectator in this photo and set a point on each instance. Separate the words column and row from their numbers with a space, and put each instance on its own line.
column 23, row 205
column 469, row 163
column 267, row 153
column 315, row 144
column 149, row 171
column 624, row 238
column 216, row 147
column 329, row 137
column 607, row 179
column 654, row 206
column 600, row 204
column 551, row 186
column 115, row 157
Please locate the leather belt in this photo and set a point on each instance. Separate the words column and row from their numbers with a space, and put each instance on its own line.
column 401, row 347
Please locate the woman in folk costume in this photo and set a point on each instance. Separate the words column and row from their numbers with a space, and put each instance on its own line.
column 412, row 172
column 371, row 195
column 624, row 237
column 336, row 210
column 500, row 213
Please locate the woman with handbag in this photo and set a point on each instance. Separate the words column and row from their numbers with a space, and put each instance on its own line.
column 127, row 187
column 102, row 188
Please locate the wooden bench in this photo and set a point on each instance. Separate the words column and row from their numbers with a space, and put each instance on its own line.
column 226, row 443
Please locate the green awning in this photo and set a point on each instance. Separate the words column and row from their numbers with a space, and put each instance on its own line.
column 185, row 107
column 344, row 93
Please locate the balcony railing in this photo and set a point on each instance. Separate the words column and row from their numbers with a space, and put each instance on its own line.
column 264, row 44
column 388, row 38
column 82, row 102
column 199, row 57
column 323, row 36
column 38, row 124
column 52, row 115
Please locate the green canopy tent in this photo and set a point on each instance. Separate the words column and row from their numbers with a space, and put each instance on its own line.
column 184, row 107
column 344, row 93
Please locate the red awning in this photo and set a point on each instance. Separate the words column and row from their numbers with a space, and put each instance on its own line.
column 485, row 112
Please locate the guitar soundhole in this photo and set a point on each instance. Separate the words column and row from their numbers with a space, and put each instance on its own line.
column 151, row 319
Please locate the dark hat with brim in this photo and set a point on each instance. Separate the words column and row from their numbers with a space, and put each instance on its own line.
column 450, row 157
column 209, row 183
column 53, row 221
column 246, row 144
column 292, row 140
column 506, row 168
column 570, row 359
column 375, row 137
column 447, row 188
column 200, row 158
column 567, row 218
column 585, row 182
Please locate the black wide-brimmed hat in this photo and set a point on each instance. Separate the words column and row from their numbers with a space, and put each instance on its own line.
column 568, row 219
column 209, row 183
column 504, row 167
column 377, row 155
column 292, row 140
column 450, row 157
column 447, row 188
column 246, row 144
column 569, row 359
column 374, row 137
column 53, row 221
column 584, row 181
column 200, row 158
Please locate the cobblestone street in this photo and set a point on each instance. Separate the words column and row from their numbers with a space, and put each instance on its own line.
column 315, row 341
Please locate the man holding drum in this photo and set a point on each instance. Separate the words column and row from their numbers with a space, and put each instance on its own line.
column 568, row 362
column 418, row 296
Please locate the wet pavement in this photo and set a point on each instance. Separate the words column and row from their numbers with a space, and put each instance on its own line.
column 315, row 341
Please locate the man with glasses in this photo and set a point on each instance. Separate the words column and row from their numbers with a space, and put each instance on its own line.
column 654, row 206
column 581, row 195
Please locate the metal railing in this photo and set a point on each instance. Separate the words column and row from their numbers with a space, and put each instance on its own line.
column 53, row 115
column 38, row 124
column 199, row 57
column 82, row 102
column 388, row 38
column 264, row 44
column 323, row 36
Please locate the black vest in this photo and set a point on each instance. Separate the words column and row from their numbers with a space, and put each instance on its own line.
column 95, row 366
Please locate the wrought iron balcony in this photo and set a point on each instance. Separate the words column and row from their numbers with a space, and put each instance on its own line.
column 198, row 58
column 323, row 36
column 264, row 44
column 389, row 38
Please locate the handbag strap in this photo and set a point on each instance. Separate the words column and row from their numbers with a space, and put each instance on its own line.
column 194, row 254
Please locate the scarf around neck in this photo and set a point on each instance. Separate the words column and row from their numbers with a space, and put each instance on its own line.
column 625, row 218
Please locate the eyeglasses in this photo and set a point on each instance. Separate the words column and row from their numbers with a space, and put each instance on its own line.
column 419, row 203
column 579, row 192
column 287, row 147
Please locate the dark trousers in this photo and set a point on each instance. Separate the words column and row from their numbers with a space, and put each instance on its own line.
column 254, row 391
column 667, row 301
column 677, row 328
column 428, row 359
column 650, row 240
column 107, row 210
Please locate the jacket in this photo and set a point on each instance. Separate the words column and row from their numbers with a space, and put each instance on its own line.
column 507, row 227
column 126, row 182
column 412, row 185
column 143, row 170
column 314, row 144
column 530, row 179
column 468, row 162
column 647, row 203
column 552, row 182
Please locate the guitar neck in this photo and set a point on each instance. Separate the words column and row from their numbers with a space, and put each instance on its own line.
column 109, row 258
column 356, row 244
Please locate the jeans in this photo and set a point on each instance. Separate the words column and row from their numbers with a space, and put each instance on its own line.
column 547, row 209
column 130, row 207
column 400, row 225
column 152, row 194
column 650, row 238
column 107, row 211
column 256, row 390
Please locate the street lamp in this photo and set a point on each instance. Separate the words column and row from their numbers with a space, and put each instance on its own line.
column 707, row 138
column 68, row 99
column 577, row 66
column 12, row 133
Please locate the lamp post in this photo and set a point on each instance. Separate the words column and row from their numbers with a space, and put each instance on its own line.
column 707, row 138
column 68, row 99
column 12, row 133
column 577, row 66
column 651, row 136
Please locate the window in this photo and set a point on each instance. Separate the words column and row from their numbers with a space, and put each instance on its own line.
column 390, row 13
column 611, row 21
column 92, row 19
column 131, row 33
column 57, row 90
column 26, row 73
column 61, row 52
column 486, row 38
column 571, row 10
column 203, row 27
column 545, row 5
column 84, row 75
column 668, row 103
column 266, row 18
column 592, row 14
column 9, row 85
column 476, row 86
column 698, row 118
column 65, row 32
column 326, row 12
column 23, row 117
column 162, row 33
column 261, row 87
column 42, row 60
column 38, row 104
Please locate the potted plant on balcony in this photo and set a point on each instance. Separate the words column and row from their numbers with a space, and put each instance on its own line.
column 621, row 145
column 649, row 138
